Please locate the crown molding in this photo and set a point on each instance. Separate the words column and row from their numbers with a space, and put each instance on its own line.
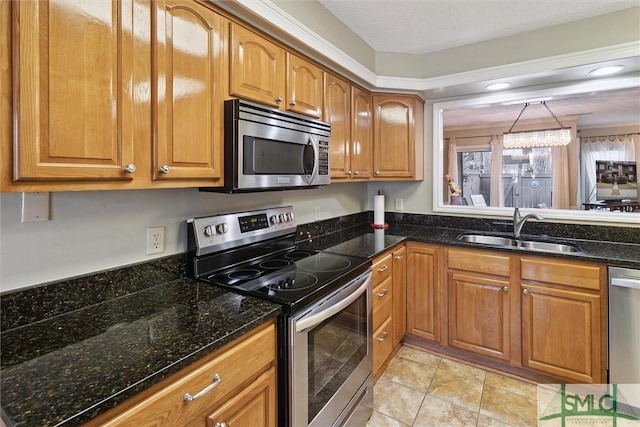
column 281, row 23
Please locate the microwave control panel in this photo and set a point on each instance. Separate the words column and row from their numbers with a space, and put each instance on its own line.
column 323, row 160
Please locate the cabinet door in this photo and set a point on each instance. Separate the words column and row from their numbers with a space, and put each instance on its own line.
column 337, row 111
column 561, row 333
column 361, row 133
column 394, row 136
column 187, row 67
column 74, row 97
column 305, row 83
column 254, row 406
column 479, row 316
column 258, row 68
column 399, row 293
column 423, row 311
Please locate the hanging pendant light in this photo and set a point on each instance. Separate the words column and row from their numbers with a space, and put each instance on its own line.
column 537, row 138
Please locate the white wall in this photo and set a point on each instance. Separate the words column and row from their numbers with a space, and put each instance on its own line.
column 93, row 231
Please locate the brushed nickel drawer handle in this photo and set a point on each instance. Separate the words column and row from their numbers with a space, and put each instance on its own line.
column 384, row 336
column 383, row 293
column 383, row 268
column 216, row 382
column 221, row 424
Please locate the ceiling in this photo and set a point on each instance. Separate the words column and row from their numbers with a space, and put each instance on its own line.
column 591, row 110
column 424, row 26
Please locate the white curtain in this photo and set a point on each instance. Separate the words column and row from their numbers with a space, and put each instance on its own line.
column 496, row 192
column 614, row 147
column 452, row 167
column 560, row 174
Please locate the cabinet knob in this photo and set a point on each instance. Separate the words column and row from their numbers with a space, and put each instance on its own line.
column 279, row 99
column 397, row 257
column 505, row 289
column 349, row 173
column 164, row 169
column 292, row 103
column 356, row 173
column 221, row 424
column 216, row 382
column 383, row 293
column 525, row 292
column 377, row 172
column 130, row 168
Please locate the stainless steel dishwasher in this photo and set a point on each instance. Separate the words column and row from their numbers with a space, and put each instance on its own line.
column 624, row 329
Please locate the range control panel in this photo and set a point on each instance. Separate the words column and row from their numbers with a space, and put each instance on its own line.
column 218, row 232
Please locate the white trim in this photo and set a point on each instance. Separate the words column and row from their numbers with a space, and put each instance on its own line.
column 268, row 11
column 278, row 18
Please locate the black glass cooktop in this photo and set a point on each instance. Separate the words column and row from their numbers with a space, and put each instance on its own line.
column 294, row 278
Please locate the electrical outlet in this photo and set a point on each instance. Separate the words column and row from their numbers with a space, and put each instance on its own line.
column 155, row 240
column 399, row 204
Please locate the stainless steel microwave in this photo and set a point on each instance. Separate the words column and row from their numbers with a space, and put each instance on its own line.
column 269, row 149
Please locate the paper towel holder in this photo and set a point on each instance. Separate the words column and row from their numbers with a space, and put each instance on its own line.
column 379, row 226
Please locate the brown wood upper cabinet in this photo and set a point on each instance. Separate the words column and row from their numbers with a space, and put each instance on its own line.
column 187, row 90
column 348, row 109
column 107, row 103
column 264, row 72
column 398, row 139
column 75, row 90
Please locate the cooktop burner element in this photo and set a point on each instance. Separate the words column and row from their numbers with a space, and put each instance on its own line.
column 325, row 262
column 255, row 253
column 274, row 264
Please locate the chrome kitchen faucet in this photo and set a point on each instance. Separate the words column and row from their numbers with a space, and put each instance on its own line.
column 519, row 221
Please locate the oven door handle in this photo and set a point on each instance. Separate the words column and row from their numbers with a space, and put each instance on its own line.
column 317, row 318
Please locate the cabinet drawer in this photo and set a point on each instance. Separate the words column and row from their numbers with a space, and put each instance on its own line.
column 586, row 276
column 382, row 268
column 382, row 302
column 237, row 367
column 478, row 261
column 382, row 344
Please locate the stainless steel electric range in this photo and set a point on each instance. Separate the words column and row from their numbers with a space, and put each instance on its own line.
column 324, row 334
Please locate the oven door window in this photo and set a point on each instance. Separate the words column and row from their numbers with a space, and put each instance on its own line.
column 336, row 347
column 272, row 157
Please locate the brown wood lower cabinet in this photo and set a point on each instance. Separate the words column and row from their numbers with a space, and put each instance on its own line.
column 479, row 315
column 245, row 371
column 536, row 316
column 423, row 301
column 563, row 326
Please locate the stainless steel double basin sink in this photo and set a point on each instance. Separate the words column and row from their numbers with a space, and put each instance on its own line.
column 532, row 245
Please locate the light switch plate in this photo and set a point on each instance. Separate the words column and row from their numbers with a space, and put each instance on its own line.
column 36, row 207
column 399, row 204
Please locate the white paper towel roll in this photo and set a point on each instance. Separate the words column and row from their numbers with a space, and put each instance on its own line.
column 378, row 209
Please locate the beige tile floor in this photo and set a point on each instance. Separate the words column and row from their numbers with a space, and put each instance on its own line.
column 421, row 389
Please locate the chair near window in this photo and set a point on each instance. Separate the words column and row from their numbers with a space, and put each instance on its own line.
column 478, row 200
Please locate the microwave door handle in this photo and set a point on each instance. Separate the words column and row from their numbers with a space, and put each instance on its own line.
column 317, row 318
column 316, row 163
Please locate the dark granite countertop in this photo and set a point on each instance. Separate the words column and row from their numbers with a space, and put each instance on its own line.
column 71, row 367
column 361, row 241
column 74, row 349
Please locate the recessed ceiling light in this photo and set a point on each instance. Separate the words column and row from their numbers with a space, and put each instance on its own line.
column 605, row 71
column 497, row 86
